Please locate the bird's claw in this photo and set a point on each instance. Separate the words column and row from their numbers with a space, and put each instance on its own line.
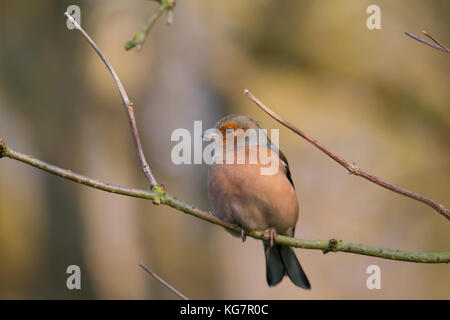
column 243, row 235
column 272, row 235
column 241, row 231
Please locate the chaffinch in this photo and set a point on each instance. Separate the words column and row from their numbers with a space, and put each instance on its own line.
column 241, row 195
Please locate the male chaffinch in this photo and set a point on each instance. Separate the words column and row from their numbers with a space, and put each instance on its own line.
column 241, row 195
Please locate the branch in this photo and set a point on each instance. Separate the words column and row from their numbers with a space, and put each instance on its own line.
column 126, row 103
column 178, row 293
column 139, row 38
column 160, row 196
column 351, row 167
column 437, row 46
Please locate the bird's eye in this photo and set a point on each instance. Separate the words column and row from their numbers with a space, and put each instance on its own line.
column 229, row 130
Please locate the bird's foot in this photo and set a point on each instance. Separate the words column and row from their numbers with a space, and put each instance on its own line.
column 241, row 231
column 243, row 235
column 272, row 235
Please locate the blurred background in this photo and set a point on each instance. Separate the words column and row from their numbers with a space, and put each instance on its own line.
column 375, row 97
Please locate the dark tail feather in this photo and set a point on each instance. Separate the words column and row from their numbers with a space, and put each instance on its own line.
column 293, row 268
column 281, row 260
column 274, row 267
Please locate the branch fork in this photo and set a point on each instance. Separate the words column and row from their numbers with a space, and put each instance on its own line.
column 139, row 38
column 129, row 106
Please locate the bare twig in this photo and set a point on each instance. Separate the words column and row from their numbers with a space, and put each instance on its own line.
column 434, row 39
column 437, row 46
column 178, row 293
column 163, row 197
column 139, row 38
column 352, row 168
column 126, row 103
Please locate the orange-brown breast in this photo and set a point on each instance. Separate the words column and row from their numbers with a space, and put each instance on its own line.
column 240, row 194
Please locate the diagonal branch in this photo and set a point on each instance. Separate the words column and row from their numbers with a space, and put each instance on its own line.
column 160, row 196
column 126, row 103
column 352, row 168
column 168, row 286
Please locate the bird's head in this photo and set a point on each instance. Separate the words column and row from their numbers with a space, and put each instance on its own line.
column 232, row 133
column 230, row 125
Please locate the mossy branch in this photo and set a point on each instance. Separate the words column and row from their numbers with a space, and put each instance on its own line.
column 157, row 194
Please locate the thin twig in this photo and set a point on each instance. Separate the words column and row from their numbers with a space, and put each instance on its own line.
column 163, row 197
column 437, row 46
column 434, row 39
column 178, row 293
column 139, row 38
column 351, row 167
column 126, row 103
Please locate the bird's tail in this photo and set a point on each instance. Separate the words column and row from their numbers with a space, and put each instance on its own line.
column 281, row 260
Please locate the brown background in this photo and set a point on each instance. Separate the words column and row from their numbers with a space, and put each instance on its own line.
column 377, row 98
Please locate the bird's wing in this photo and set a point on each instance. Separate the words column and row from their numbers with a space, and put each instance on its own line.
column 286, row 167
column 288, row 174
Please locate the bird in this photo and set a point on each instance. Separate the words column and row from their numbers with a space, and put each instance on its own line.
column 240, row 195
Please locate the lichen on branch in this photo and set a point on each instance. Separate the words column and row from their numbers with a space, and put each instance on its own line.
column 164, row 198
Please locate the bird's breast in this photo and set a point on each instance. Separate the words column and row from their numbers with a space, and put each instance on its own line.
column 241, row 194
